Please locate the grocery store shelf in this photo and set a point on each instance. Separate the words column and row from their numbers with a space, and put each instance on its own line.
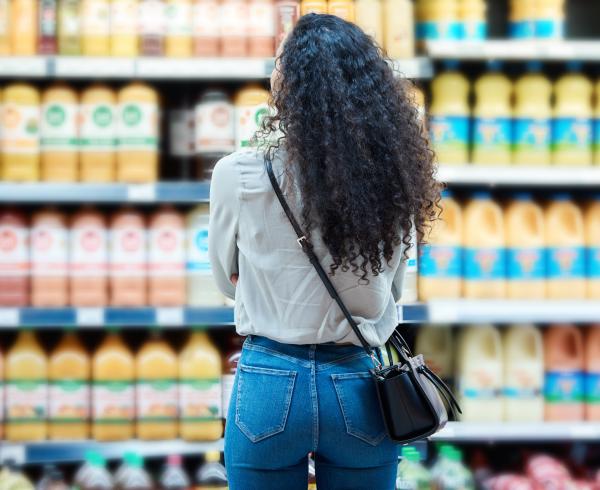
column 517, row 176
column 415, row 67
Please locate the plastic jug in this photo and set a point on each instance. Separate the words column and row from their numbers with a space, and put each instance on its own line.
column 124, row 27
column 89, row 259
column 532, row 118
column 565, row 242
column 436, row 344
column 166, row 259
column 20, row 142
column 200, row 390
column 95, row 27
column 206, row 19
column 492, row 118
column 113, row 374
column 592, row 375
column 23, row 27
column 592, row 239
column 525, row 242
column 128, row 256
column 398, row 28
column 69, row 372
column 523, row 374
column 49, row 259
column 449, row 116
column 484, row 253
column 549, row 19
column 60, row 134
column 98, row 134
column 152, row 27
column 69, row 28
column 178, row 39
column 156, row 389
column 287, row 13
column 250, row 109
column 261, row 28
column 521, row 24
column 564, row 382
column 473, row 19
column 369, row 17
column 572, row 124
column 341, row 8
column 14, row 258
column 479, row 373
column 234, row 28
column 313, row 7
column 47, row 26
column 440, row 259
column 26, row 375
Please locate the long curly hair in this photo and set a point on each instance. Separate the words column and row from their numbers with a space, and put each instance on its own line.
column 352, row 131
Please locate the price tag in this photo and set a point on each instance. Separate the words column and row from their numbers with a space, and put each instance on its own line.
column 90, row 317
column 169, row 316
column 12, row 451
column 141, row 193
column 9, row 316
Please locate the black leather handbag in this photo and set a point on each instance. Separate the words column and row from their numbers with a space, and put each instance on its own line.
column 413, row 399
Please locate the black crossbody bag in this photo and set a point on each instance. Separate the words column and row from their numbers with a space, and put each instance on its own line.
column 411, row 396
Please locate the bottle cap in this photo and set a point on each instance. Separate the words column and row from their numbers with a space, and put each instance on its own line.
column 451, row 64
column 522, row 196
column 481, row 195
column 446, row 193
column 494, row 65
column 534, row 66
column 212, row 456
column 574, row 65
column 561, row 196
column 174, row 460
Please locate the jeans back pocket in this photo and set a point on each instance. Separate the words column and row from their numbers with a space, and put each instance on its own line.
column 264, row 396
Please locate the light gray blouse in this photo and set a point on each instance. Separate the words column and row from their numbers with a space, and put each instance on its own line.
column 279, row 295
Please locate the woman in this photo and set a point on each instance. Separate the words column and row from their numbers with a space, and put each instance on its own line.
column 347, row 148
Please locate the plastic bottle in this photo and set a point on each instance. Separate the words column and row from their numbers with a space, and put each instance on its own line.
column 521, row 24
column 88, row 252
column 211, row 475
column 473, row 21
column 341, row 8
column 152, row 27
column 479, row 373
column 287, row 13
column 565, row 242
column 20, row 142
column 47, row 27
column 138, row 133
column 69, row 29
column 449, row 473
column 572, row 124
column 136, row 478
column 123, row 471
column 178, row 39
column 234, row 28
column 96, row 476
column 14, row 258
column 250, row 109
column 59, row 134
column 124, row 27
column 492, row 118
column 23, row 27
column 98, row 133
column 12, row 478
column 549, row 19
column 4, row 27
column 206, row 19
column 55, row 481
column 439, row 20
column 412, row 475
column 173, row 476
column 525, row 242
column 592, row 373
column 181, row 121
column 49, row 259
column 313, row 7
column 532, row 118
column 95, row 27
column 26, row 374
column 230, row 362
column 113, row 373
column 369, row 17
column 436, row 344
column 69, row 372
column 156, row 370
column 261, row 28
column 449, row 116
column 398, row 28
column 484, row 253
column 592, row 240
column 564, row 381
column 2, row 389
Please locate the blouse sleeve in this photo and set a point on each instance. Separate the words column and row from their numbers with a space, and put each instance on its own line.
column 398, row 280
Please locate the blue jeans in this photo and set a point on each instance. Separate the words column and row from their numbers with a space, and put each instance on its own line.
column 289, row 400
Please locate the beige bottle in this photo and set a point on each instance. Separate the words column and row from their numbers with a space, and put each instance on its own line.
column 178, row 39
column 23, row 27
column 124, row 28
column 261, row 28
column 398, row 28
column 592, row 240
column 95, row 27
column 234, row 28
column 369, row 17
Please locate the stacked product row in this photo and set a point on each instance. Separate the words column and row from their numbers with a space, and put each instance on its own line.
column 521, row 250
column 520, row 375
column 528, row 122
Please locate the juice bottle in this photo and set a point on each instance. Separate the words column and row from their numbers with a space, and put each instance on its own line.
column 1, row 397
column 138, row 133
column 124, row 27
column 47, row 27
column 4, row 27
column 88, row 253
column 234, row 28
column 95, row 27
column 525, row 241
column 211, row 475
column 181, row 122
column 59, row 134
column 564, row 382
column 98, row 134
column 439, row 20
column 532, row 118
column 342, row 8
column 251, row 106
column 521, row 24
column 136, row 478
column 174, row 476
column 26, row 374
column 69, row 29
column 23, row 27
column 484, row 253
column 287, row 13
column 206, row 18
column 440, row 260
column 156, row 370
column 398, row 28
column 113, row 374
column 437, row 346
column 549, row 19
column 49, row 259
column 14, row 258
column 69, row 373
column 152, row 27
column 128, row 256
column 230, row 362
column 565, row 239
column 523, row 374
column 178, row 40
column 479, row 373
column 473, row 22
column 20, row 132
column 313, row 7
column 596, row 142
column 592, row 374
column 572, row 124
column 449, row 116
column 369, row 17
column 200, row 391
column 592, row 239
column 492, row 119
column 261, row 28
column 167, row 257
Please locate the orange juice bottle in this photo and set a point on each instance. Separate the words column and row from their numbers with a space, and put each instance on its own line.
column 137, row 133
column 113, row 400
column 592, row 239
column 124, row 27
column 564, row 382
column 69, row 401
column 369, row 17
column 200, row 391
column 59, row 134
column 98, row 134
column 23, row 27
column 398, row 28
column 26, row 389
column 47, row 27
column 20, row 132
column 592, row 374
column 341, row 8
column 69, row 30
column 152, row 27
column 4, row 27
column 261, row 28
column 313, row 7
column 156, row 389
column 525, row 241
column 565, row 242
column 287, row 13
column 234, row 28
column 206, row 19
column 14, row 258
column 251, row 106
column 178, row 40
column 95, row 27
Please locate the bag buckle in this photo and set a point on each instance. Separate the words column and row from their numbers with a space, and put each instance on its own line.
column 376, row 361
column 302, row 241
